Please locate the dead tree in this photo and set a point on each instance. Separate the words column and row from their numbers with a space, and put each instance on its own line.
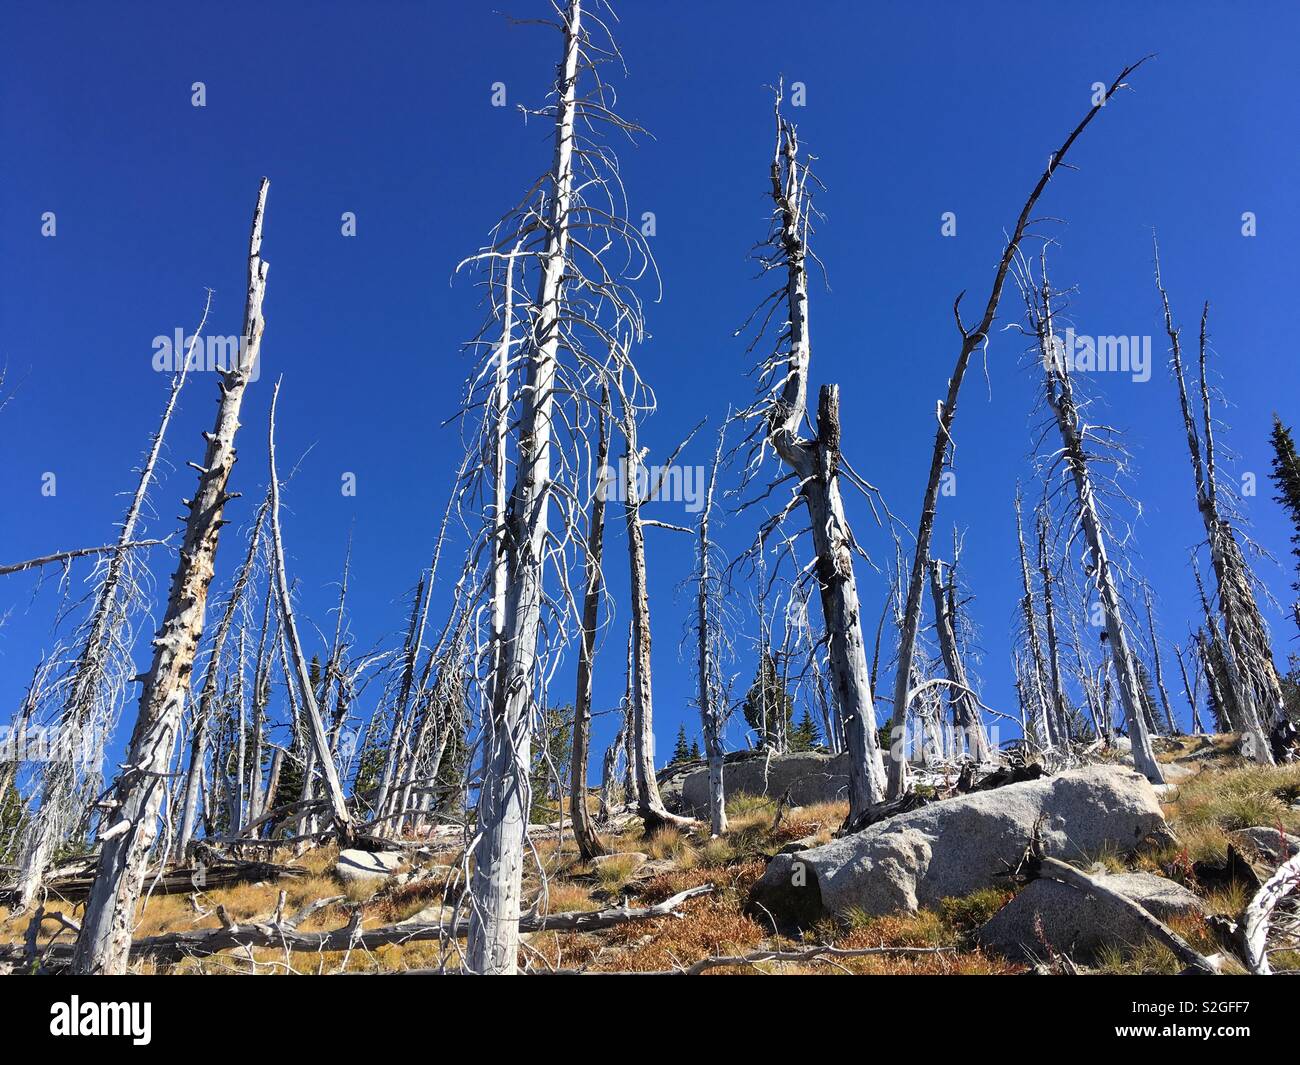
column 1074, row 461
column 99, row 673
column 132, row 812
column 1047, row 579
column 971, row 341
column 1248, row 657
column 202, row 724
column 318, row 740
column 1038, row 684
column 1191, row 691
column 649, row 803
column 582, row 318
column 589, row 845
column 712, row 696
column 1165, row 706
column 814, row 463
column 965, row 707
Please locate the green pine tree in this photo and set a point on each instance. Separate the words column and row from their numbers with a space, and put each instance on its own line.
column 1286, row 478
column 768, row 705
column 681, row 749
column 552, row 753
column 805, row 735
column 695, row 751
column 13, row 816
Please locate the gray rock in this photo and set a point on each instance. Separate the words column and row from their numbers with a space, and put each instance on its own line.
column 1268, row 844
column 367, row 865
column 810, row 777
column 960, row 845
column 1049, row 914
column 634, row 859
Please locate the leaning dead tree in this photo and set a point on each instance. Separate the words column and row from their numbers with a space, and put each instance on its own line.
column 320, row 743
column 1036, row 681
column 95, row 686
column 201, row 727
column 814, row 463
column 967, row 722
column 709, row 649
column 972, row 339
column 132, row 813
column 577, row 325
column 650, row 804
column 589, row 845
column 1247, row 653
column 1074, row 462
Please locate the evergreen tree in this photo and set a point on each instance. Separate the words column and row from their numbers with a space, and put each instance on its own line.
column 13, row 816
column 805, row 735
column 695, row 751
column 1286, row 478
column 681, row 749
column 551, row 758
column 768, row 708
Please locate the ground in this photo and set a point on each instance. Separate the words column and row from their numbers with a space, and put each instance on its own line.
column 1223, row 794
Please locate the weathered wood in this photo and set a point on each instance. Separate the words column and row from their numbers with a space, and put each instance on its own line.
column 285, row 935
column 131, row 816
column 1159, row 931
column 1259, row 912
column 971, row 341
column 589, row 844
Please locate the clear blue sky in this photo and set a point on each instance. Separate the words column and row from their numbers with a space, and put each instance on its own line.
column 384, row 109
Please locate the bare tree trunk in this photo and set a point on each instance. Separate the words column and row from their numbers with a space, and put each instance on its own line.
column 589, row 845
column 1246, row 653
column 1048, row 580
column 496, row 883
column 1189, row 691
column 90, row 675
column 712, row 710
column 1039, row 689
column 1170, row 723
column 816, row 465
column 105, row 938
column 318, row 739
column 966, row 713
column 971, row 340
column 1060, row 400
column 649, row 803
column 202, row 726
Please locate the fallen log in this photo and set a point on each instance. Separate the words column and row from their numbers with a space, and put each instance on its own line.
column 1255, row 921
column 172, row 880
column 1155, row 928
column 282, row 934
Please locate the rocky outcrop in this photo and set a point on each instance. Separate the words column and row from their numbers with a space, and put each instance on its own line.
column 367, row 865
column 809, row 777
column 959, row 845
column 1049, row 917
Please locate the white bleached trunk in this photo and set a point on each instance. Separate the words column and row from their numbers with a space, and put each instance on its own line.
column 317, row 736
column 105, row 939
column 496, row 883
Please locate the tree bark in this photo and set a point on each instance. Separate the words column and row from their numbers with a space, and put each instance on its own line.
column 202, row 727
column 589, row 844
column 971, row 340
column 105, row 939
column 496, row 883
column 1060, row 400
column 318, row 739
column 649, row 803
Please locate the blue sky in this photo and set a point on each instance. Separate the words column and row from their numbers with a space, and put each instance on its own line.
column 384, row 110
